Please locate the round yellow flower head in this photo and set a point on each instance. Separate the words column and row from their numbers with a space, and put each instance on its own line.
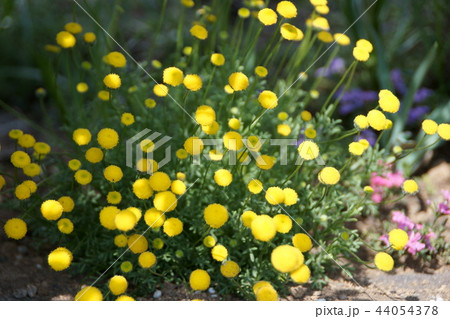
column 229, row 269
column 217, row 59
column 248, row 217
column 286, row 258
column 329, row 176
column 361, row 122
column 160, row 181
column 178, row 187
column 365, row 143
column 2, row 182
column 325, row 36
column 356, row 148
column 243, row 13
column 234, row 123
column 28, row 183
column 73, row 27
column 238, row 81
column 60, row 259
column 233, row 141
column 83, row 177
column 42, row 148
column 154, row 218
column 209, row 241
column 268, row 99
column 266, row 293
column 215, row 215
column 113, row 173
column 301, row 275
column 15, row 134
column 112, row 81
column 398, row 238
column 107, row 138
column 173, row 76
column 15, row 228
column 361, row 54
column 310, row 133
column 142, row 189
column 125, row 220
column 341, row 39
column 65, row 225
column 388, row 101
column 368, row 189
column 365, row 44
column 125, row 298
column 321, row 23
column 118, row 285
column 199, row 32
column 265, row 162
column 410, row 186
column 193, row 145
column 308, row 150
column 147, row 259
column 255, row 186
column 51, row 209
column 205, row 115
column 82, row 87
column 32, row 170
column 253, row 143
column 283, row 129
column 267, row 16
column 187, row 50
column 89, row 37
column 274, row 195
column 290, row 196
column 22, row 192
column 376, row 120
column 121, row 240
column 199, row 280
column 165, row 201
column 260, row 284
column 219, row 253
column 384, row 262
column 261, row 71
column 282, row 116
column 322, row 9
column 302, row 242
column 89, row 294
column 223, row 177
column 137, row 243
column 263, row 228
column 104, row 95
column 20, row 159
column 430, row 127
column 150, row 103
column 127, row 119
column 173, row 227
column 444, row 131
column 192, row 82
column 188, row 3
column 108, row 217
column 306, row 116
column 160, row 90
column 283, row 223
column 291, row 33
column 26, row 140
column 65, row 39
column 287, row 9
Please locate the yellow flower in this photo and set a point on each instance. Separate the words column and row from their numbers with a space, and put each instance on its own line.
column 150, row 103
column 283, row 129
column 22, row 192
column 187, row 50
column 193, row 145
column 364, row 44
column 287, row 9
column 89, row 37
column 83, row 177
column 173, row 76
column 125, row 298
column 274, row 195
column 60, row 259
column 398, row 238
column 165, row 201
column 410, row 186
column 113, row 173
column 81, row 136
column 104, row 95
column 2, row 182
column 82, row 87
column 137, row 243
column 116, row 59
column 65, row 39
column 67, row 203
column 199, row 280
column 444, row 131
column 217, row 59
column 89, row 294
column 321, row 23
column 233, row 141
column 261, row 71
column 283, row 223
column 248, row 217
column 199, row 32
column 229, row 269
column 192, row 82
column 234, row 123
column 268, row 99
column 32, row 170
column 26, row 141
column 181, row 154
column 290, row 196
column 430, row 127
column 267, row 16
column 127, row 119
column 361, row 54
column 15, row 134
column 341, row 39
column 178, row 187
column 255, row 186
column 112, row 81
column 308, row 150
column 147, row 259
column 117, row 285
column 73, row 27
column 94, row 155
column 329, row 176
column 205, row 115
column 107, row 138
column 356, row 148
column 384, row 261
column 302, row 242
column 228, row 89
column 265, row 162
column 244, row 13
column 361, row 122
column 290, row 32
column 121, row 240
column 376, row 120
column 126, row 266
column 65, row 225
column 286, row 258
column 325, row 36
column 223, row 177
column 219, row 253
column 263, row 228
column 310, row 133
column 306, row 116
column 188, row 3
column 215, row 215
column 51, row 209
column 266, row 293
column 142, row 189
column 160, row 181
column 301, row 275
column 238, row 81
column 15, row 228
column 154, row 218
column 253, row 143
column 368, row 189
column 52, row 48
column 388, row 101
column 322, row 9
column 107, row 217
column 160, row 90
column 125, row 220
column 20, row 159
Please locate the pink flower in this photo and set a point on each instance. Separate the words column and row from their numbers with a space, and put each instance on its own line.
column 395, row 179
column 443, row 209
column 413, row 246
column 377, row 197
column 446, row 194
column 428, row 237
column 385, row 238
column 402, row 220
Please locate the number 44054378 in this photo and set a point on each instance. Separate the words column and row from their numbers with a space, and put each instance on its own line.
column 405, row 310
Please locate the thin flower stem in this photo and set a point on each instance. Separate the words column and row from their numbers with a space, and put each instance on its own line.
column 295, row 171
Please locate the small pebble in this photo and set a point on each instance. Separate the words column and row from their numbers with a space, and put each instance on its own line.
column 214, row 295
column 22, row 249
column 20, row 293
column 211, row 290
column 31, row 290
column 157, row 294
column 38, row 266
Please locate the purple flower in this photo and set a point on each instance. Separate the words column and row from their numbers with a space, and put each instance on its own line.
column 413, row 246
column 422, row 94
column 444, row 209
column 416, row 113
column 402, row 220
column 337, row 66
column 397, row 80
column 369, row 135
column 355, row 99
column 446, row 195
column 385, row 239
